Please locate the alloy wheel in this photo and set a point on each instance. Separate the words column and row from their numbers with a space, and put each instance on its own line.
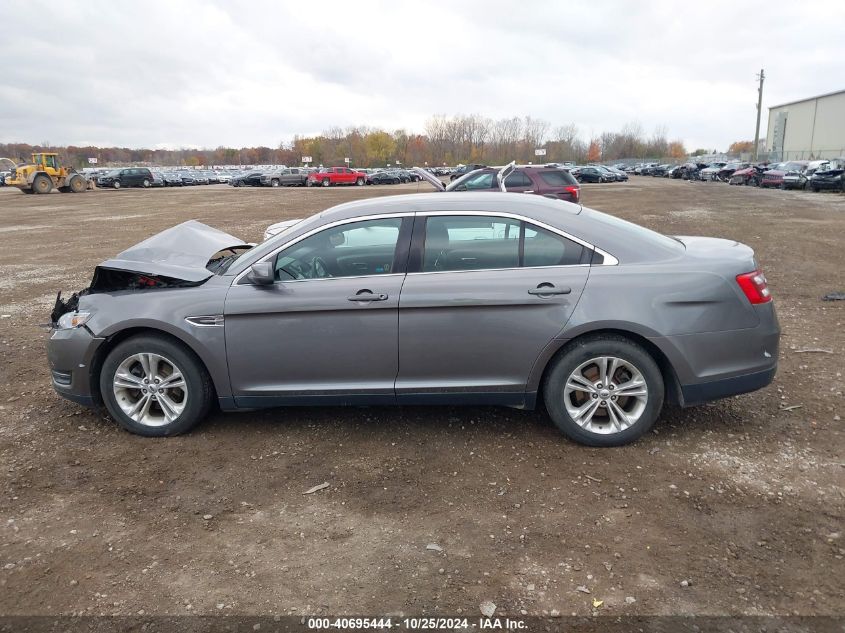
column 150, row 389
column 605, row 395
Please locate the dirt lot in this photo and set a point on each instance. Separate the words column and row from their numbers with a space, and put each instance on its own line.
column 731, row 508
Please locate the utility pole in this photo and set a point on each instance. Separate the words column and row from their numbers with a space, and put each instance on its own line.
column 761, row 77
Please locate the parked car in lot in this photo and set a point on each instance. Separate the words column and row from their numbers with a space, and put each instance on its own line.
column 288, row 177
column 330, row 176
column 187, row 178
column 455, row 298
column 158, row 179
column 551, row 182
column 751, row 175
column 710, row 171
column 592, row 174
column 620, row 174
column 172, row 179
column 799, row 178
column 247, row 179
column 383, row 177
column 128, row 177
column 725, row 173
column 828, row 177
column 463, row 170
column 773, row 177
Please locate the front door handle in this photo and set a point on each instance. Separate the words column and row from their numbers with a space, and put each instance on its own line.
column 547, row 290
column 367, row 295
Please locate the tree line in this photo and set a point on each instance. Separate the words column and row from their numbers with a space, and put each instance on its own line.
column 446, row 140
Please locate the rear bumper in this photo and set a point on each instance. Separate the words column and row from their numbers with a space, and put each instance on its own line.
column 713, row 365
column 725, row 387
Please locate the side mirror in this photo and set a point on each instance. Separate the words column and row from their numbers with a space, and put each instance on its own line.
column 261, row 273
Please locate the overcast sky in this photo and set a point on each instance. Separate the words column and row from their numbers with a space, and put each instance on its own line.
column 189, row 73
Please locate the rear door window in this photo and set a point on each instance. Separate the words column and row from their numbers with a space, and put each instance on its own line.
column 518, row 179
column 470, row 243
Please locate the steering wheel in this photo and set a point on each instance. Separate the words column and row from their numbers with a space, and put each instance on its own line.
column 319, row 269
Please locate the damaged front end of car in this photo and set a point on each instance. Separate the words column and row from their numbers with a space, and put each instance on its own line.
column 183, row 256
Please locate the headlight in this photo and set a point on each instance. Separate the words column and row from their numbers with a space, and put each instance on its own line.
column 71, row 320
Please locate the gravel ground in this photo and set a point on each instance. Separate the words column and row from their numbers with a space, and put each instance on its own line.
column 731, row 508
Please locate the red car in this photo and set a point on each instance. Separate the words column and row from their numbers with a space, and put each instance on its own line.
column 774, row 177
column 328, row 176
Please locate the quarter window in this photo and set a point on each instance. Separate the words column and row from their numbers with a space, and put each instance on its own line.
column 348, row 250
column 517, row 179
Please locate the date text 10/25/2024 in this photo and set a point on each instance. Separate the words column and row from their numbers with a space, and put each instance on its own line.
column 505, row 624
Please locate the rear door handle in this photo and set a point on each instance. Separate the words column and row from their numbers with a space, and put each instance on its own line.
column 366, row 295
column 547, row 289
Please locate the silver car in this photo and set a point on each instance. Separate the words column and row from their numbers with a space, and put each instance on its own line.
column 464, row 298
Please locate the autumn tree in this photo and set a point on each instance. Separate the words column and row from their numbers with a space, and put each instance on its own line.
column 741, row 147
column 594, row 151
column 677, row 150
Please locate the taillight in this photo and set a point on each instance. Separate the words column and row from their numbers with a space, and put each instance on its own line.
column 754, row 286
column 575, row 191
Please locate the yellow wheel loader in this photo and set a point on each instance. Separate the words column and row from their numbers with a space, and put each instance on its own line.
column 44, row 173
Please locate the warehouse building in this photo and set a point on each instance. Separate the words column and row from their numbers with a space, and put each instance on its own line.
column 808, row 129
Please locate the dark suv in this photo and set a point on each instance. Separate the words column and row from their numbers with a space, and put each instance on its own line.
column 552, row 182
column 463, row 170
column 129, row 177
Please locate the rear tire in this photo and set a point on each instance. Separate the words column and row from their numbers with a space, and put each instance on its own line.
column 145, row 184
column 42, row 184
column 122, row 386
column 571, row 386
column 274, row 182
column 360, row 182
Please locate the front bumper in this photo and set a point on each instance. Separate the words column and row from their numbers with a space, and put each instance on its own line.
column 71, row 354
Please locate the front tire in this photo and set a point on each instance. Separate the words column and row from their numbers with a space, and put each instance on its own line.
column 116, row 184
column 155, row 387
column 42, row 184
column 77, row 184
column 326, row 182
column 274, row 182
column 604, row 391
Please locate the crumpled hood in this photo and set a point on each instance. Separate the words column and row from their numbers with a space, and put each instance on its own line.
column 181, row 252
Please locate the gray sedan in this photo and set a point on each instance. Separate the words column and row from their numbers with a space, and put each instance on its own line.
column 461, row 298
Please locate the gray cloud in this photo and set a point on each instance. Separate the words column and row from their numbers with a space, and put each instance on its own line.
column 208, row 73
